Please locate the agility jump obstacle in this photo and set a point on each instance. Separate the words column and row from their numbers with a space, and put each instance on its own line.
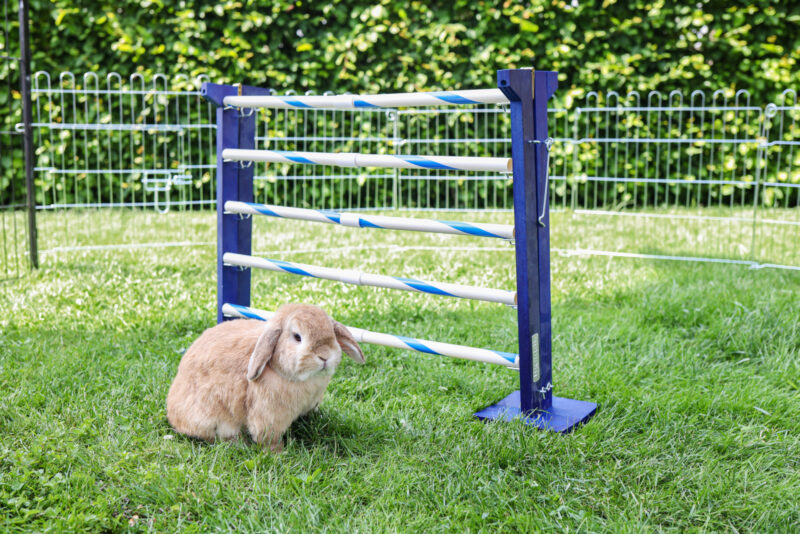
column 527, row 92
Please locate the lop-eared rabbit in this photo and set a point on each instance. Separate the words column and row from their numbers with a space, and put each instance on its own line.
column 245, row 374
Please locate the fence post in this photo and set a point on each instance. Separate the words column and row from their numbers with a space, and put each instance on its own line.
column 770, row 110
column 528, row 92
column 27, row 132
column 234, row 182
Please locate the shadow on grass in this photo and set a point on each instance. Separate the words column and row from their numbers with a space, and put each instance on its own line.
column 339, row 434
column 322, row 430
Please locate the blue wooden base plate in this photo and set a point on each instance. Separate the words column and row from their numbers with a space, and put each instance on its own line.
column 563, row 416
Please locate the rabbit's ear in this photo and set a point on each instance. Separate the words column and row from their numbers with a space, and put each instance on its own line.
column 265, row 347
column 347, row 342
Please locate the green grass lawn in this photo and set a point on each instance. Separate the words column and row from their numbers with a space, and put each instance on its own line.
column 696, row 369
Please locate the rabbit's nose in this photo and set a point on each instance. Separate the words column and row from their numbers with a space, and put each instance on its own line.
column 323, row 357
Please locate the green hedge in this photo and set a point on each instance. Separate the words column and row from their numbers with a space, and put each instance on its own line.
column 388, row 45
column 385, row 46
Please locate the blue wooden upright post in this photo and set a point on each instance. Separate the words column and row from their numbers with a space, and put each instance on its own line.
column 528, row 92
column 234, row 182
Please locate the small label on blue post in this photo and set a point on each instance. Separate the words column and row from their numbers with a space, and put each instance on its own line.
column 537, row 372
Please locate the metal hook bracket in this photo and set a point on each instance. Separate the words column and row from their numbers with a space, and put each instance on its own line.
column 548, row 144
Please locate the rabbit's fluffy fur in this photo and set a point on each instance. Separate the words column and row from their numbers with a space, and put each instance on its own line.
column 245, row 374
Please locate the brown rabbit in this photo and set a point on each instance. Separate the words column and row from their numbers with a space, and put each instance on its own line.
column 261, row 377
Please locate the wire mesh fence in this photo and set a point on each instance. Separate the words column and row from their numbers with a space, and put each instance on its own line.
column 685, row 179
column 678, row 177
column 364, row 130
column 483, row 131
column 111, row 148
column 424, row 132
column 777, row 219
column 705, row 175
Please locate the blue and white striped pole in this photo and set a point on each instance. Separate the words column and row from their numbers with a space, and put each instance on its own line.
column 505, row 359
column 358, row 220
column 439, row 163
column 389, row 100
column 374, row 280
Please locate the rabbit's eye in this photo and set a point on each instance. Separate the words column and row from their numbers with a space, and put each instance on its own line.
column 297, row 338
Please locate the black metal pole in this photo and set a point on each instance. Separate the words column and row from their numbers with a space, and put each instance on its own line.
column 27, row 135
